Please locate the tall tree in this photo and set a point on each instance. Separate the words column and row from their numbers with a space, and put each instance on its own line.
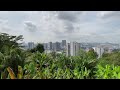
column 7, row 41
column 11, row 53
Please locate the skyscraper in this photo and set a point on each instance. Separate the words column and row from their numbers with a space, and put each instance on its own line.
column 58, row 48
column 31, row 45
column 50, row 46
column 68, row 49
column 99, row 51
column 63, row 46
column 45, row 46
column 25, row 46
column 63, row 43
column 74, row 48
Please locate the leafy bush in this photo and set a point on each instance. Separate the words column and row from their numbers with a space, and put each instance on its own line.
column 108, row 72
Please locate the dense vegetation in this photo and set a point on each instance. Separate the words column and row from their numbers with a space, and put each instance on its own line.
column 17, row 63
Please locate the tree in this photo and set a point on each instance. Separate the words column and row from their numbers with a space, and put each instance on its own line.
column 7, row 41
column 11, row 53
column 92, row 54
column 39, row 48
column 110, row 58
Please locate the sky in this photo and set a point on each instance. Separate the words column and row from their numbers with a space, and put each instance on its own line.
column 46, row 26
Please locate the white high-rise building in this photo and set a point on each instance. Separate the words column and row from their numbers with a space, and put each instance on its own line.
column 99, row 51
column 74, row 48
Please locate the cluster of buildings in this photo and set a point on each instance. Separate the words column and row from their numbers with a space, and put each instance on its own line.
column 73, row 48
column 58, row 47
column 29, row 45
column 70, row 49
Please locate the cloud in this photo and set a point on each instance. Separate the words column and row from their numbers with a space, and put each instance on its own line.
column 108, row 14
column 4, row 27
column 69, row 27
column 45, row 26
column 69, row 18
column 30, row 26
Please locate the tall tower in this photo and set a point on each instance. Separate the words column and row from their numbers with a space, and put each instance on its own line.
column 50, row 46
column 68, row 49
column 63, row 43
column 99, row 51
column 30, row 45
column 74, row 48
column 45, row 46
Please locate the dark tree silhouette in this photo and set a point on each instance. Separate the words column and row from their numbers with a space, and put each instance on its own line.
column 39, row 48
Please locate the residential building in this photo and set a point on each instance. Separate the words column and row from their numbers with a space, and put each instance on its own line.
column 50, row 46
column 68, row 49
column 63, row 44
column 57, row 47
column 99, row 51
column 45, row 46
column 74, row 48
column 31, row 45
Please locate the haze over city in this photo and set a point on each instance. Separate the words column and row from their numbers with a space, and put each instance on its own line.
column 45, row 26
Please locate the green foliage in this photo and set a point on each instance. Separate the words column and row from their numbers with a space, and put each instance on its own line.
column 60, row 67
column 38, row 48
column 9, row 41
column 110, row 58
column 91, row 54
column 35, row 64
column 108, row 72
column 11, row 54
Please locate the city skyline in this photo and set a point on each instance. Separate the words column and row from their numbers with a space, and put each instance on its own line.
column 46, row 26
column 70, row 41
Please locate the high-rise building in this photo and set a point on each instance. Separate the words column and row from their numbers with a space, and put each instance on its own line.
column 58, row 48
column 74, row 48
column 63, row 43
column 68, row 49
column 99, row 51
column 61, row 46
column 53, row 46
column 45, row 46
column 24, row 45
column 50, row 46
column 31, row 45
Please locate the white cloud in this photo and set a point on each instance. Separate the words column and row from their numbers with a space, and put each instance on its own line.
column 44, row 26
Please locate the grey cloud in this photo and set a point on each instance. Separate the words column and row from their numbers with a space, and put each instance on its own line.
column 69, row 18
column 30, row 26
column 67, row 15
column 69, row 27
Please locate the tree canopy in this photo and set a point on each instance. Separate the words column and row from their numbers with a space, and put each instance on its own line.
column 39, row 48
column 92, row 54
